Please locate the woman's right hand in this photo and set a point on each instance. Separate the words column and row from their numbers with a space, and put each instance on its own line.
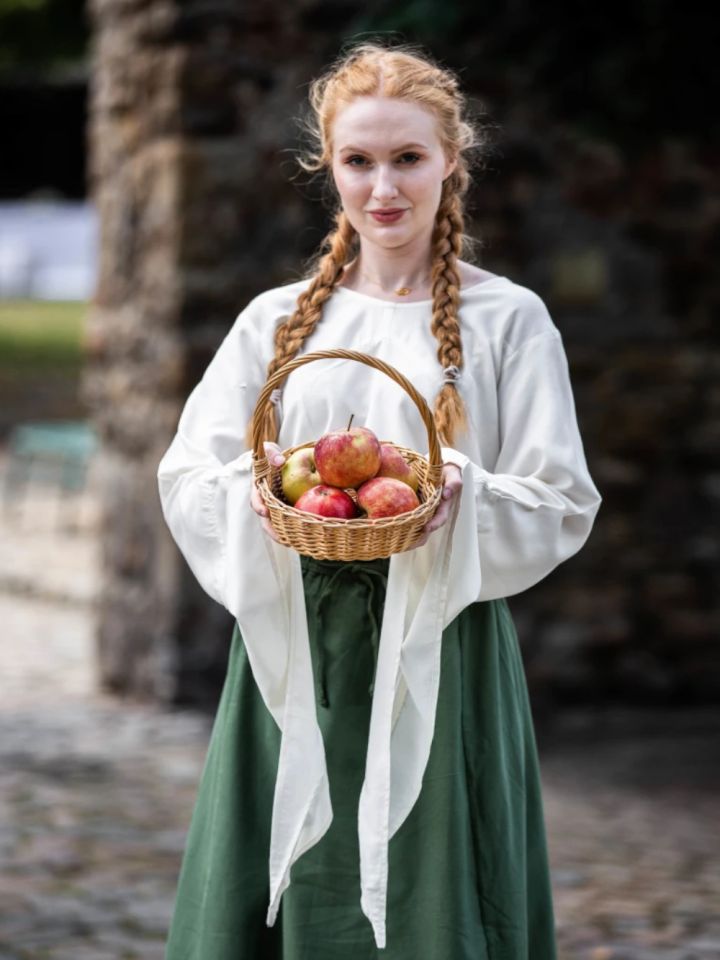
column 275, row 456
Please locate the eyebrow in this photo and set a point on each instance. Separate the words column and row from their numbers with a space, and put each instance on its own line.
column 405, row 146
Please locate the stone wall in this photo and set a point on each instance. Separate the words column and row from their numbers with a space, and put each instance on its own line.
column 621, row 249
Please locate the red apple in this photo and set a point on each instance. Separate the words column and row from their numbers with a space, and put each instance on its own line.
column 347, row 458
column 393, row 464
column 299, row 474
column 327, row 501
column 386, row 497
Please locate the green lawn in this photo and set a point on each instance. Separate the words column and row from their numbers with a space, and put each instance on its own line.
column 40, row 334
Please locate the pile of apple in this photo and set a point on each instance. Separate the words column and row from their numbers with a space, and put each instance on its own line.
column 316, row 478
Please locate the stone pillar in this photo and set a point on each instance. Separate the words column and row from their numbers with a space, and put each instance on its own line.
column 191, row 109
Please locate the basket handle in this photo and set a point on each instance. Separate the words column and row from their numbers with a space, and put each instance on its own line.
column 262, row 468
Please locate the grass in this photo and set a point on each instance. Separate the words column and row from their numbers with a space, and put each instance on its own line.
column 40, row 334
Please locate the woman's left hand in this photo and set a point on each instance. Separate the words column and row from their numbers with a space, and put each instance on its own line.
column 452, row 485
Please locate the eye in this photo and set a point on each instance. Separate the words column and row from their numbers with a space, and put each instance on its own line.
column 414, row 156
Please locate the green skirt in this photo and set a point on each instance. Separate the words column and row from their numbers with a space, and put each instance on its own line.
column 468, row 869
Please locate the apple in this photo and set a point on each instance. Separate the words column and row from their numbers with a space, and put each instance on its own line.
column 394, row 464
column 347, row 458
column 327, row 501
column 299, row 474
column 386, row 497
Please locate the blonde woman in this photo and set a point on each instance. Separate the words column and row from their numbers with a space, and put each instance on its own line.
column 372, row 779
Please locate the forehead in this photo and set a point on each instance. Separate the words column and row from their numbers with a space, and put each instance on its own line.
column 383, row 123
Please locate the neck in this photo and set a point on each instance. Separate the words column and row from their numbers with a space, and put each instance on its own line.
column 390, row 270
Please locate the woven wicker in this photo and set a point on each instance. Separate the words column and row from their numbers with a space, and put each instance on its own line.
column 329, row 538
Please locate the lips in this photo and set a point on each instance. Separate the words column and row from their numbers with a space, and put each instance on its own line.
column 387, row 216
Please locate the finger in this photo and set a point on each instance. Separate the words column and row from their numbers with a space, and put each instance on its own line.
column 423, row 539
column 269, row 530
column 268, row 527
column 439, row 518
column 274, row 453
column 260, row 508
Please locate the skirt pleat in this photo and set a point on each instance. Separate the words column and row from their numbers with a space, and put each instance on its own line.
column 468, row 871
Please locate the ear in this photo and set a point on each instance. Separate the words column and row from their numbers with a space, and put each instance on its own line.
column 449, row 167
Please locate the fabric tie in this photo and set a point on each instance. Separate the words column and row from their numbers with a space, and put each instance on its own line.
column 263, row 587
column 451, row 373
column 366, row 574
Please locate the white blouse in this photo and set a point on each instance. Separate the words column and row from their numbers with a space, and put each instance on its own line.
column 527, row 504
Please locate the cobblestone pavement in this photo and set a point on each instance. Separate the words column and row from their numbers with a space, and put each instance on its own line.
column 96, row 794
column 631, row 805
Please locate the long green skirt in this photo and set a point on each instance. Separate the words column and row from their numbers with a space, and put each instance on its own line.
column 468, row 869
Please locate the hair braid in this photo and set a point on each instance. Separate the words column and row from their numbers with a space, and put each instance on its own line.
column 449, row 409
column 335, row 251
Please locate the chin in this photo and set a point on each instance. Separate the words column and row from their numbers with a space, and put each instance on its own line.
column 383, row 239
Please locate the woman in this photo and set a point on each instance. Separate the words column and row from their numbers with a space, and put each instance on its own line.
column 403, row 789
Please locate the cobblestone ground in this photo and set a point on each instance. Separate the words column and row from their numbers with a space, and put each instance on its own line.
column 631, row 804
column 96, row 794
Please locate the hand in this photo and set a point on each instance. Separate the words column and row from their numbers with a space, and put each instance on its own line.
column 452, row 486
column 275, row 456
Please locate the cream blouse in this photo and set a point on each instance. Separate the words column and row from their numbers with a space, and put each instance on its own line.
column 527, row 504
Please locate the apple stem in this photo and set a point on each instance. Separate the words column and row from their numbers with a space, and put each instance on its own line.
column 350, row 421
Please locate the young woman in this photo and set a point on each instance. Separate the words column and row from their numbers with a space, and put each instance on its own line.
column 372, row 779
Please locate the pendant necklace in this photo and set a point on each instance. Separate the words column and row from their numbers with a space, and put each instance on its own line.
column 401, row 291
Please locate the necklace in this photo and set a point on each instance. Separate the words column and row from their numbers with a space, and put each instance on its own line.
column 401, row 291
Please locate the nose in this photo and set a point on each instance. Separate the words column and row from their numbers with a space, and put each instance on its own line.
column 384, row 187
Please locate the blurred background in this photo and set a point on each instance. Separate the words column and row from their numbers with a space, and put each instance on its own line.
column 147, row 193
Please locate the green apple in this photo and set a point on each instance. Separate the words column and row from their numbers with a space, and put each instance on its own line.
column 299, row 474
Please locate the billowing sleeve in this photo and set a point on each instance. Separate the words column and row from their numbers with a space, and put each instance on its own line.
column 208, row 458
column 537, row 508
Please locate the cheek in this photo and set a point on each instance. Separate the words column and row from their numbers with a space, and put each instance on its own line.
column 428, row 186
column 345, row 185
column 348, row 186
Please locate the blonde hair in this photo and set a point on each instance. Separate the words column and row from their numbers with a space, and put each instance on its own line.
column 402, row 72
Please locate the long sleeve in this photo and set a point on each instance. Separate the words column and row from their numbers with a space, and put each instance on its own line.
column 538, row 506
column 208, row 451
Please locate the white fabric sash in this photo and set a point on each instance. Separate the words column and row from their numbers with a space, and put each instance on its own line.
column 427, row 588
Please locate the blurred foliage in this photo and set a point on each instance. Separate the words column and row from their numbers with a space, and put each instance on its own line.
column 47, row 32
column 8, row 6
column 649, row 75
column 644, row 76
column 40, row 335
column 418, row 20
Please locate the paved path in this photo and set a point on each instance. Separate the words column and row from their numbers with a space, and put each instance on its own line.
column 96, row 794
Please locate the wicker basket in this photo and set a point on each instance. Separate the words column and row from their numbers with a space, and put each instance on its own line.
column 328, row 538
